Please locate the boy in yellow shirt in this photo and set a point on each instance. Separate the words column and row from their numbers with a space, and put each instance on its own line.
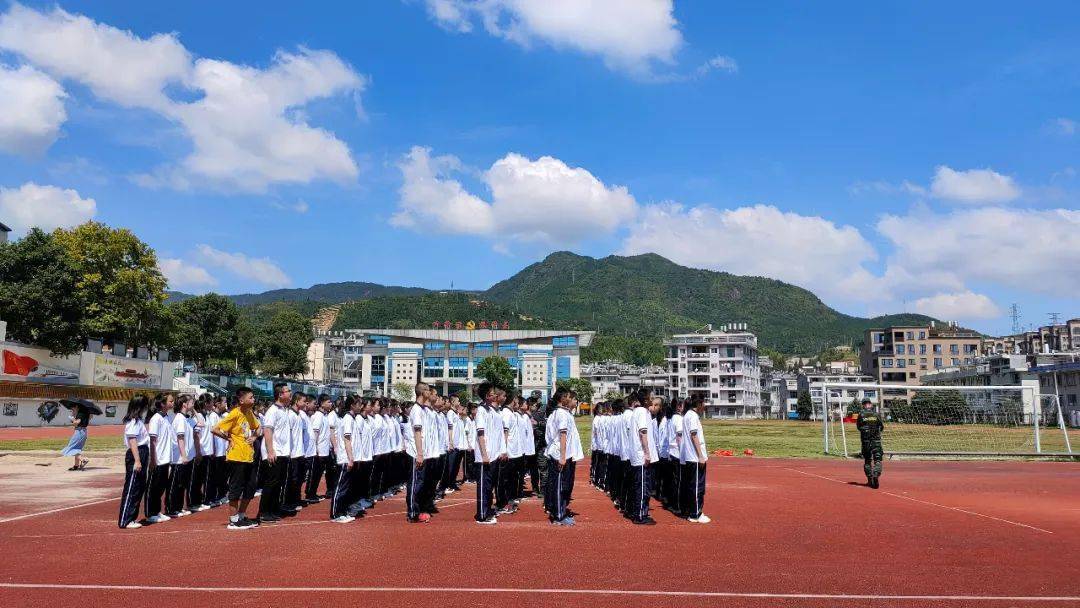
column 239, row 428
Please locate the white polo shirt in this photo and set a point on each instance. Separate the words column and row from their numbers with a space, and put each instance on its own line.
column 310, row 449
column 642, row 423
column 470, row 434
column 489, row 425
column 320, row 431
column 417, row 420
column 674, row 435
column 343, row 428
column 183, row 431
column 561, row 421
column 361, row 439
column 692, row 427
column 510, row 422
column 626, row 425
column 161, row 430
column 442, row 425
column 662, row 437
column 136, row 429
column 530, row 436
column 431, row 433
column 277, row 419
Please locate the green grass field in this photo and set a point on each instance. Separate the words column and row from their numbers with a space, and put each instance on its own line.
column 768, row 438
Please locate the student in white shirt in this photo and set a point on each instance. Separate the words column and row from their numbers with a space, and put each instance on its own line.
column 527, row 408
column 616, row 472
column 504, row 474
column 642, row 456
column 434, row 448
column 342, row 429
column 694, row 456
column 162, row 439
column 306, row 409
column 294, row 476
column 398, row 457
column 456, row 443
column 204, row 454
column 332, row 419
column 136, row 461
column 183, row 455
column 362, row 459
column 661, row 471
column 596, row 457
column 521, row 430
column 381, row 442
column 216, row 456
column 320, row 445
column 626, row 441
column 563, row 452
column 442, row 422
column 276, row 448
column 489, row 437
column 675, row 438
column 468, row 474
column 416, row 435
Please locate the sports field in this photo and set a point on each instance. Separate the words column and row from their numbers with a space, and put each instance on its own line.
column 785, row 532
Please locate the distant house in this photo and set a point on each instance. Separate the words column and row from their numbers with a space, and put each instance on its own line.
column 4, row 230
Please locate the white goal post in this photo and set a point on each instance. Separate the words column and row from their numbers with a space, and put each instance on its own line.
column 945, row 420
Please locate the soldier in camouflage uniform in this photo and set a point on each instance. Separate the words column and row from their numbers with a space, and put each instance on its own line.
column 539, row 420
column 870, row 426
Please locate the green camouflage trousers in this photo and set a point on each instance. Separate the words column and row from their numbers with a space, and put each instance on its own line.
column 542, row 465
column 872, row 456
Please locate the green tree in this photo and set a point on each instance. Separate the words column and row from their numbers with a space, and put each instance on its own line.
column 581, row 386
column 209, row 327
column 804, row 407
column 777, row 358
column 281, row 345
column 402, row 391
column 39, row 298
column 119, row 283
column 497, row 370
column 613, row 395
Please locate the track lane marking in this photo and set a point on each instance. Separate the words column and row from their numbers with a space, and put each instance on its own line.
column 50, row 511
column 497, row 590
column 933, row 504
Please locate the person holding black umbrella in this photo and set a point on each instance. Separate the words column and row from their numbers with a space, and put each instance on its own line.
column 81, row 411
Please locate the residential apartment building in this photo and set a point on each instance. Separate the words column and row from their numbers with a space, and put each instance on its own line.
column 623, row 378
column 784, row 387
column 719, row 366
column 1060, row 338
column 822, row 388
column 902, row 354
column 372, row 361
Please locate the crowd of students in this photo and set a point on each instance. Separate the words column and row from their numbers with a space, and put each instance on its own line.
column 186, row 454
column 643, row 448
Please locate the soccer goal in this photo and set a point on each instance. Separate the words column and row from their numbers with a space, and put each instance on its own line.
column 946, row 420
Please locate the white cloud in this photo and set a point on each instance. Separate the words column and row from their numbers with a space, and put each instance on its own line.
column 246, row 124
column 260, row 270
column 1065, row 126
column 185, row 275
column 973, row 187
column 966, row 305
column 860, row 188
column 762, row 240
column 1030, row 250
column 629, row 35
column 541, row 200
column 45, row 207
column 721, row 63
column 31, row 110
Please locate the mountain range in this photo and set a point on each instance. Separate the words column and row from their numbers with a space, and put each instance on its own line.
column 631, row 301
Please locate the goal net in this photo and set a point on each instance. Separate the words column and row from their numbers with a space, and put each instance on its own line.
column 945, row 421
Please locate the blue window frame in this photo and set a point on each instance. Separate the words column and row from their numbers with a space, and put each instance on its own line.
column 459, row 346
column 507, row 347
column 482, row 346
column 514, row 362
column 459, row 367
column 433, row 367
column 378, row 340
column 564, row 341
column 434, row 345
column 562, row 368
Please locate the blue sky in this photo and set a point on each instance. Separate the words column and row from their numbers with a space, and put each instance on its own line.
column 915, row 156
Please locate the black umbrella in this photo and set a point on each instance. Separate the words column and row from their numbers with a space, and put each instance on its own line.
column 90, row 406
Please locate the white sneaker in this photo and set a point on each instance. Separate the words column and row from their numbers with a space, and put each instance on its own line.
column 488, row 522
column 258, row 492
column 157, row 519
column 200, row 508
column 704, row 519
column 133, row 526
column 450, row 490
column 184, row 513
column 344, row 519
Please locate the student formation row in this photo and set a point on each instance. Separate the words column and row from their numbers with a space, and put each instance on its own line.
column 186, row 455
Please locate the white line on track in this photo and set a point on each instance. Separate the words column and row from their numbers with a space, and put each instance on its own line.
column 287, row 524
column 933, row 504
column 85, row 504
column 616, row 592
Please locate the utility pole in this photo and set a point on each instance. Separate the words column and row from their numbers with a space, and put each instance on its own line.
column 1055, row 318
column 1014, row 314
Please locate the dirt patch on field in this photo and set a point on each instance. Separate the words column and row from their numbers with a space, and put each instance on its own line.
column 37, row 481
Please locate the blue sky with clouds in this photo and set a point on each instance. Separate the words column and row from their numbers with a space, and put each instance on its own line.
column 915, row 156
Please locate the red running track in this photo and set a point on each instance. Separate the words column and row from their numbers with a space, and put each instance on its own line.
column 784, row 533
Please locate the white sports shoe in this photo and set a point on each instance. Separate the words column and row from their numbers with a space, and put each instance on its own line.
column 488, row 522
column 133, row 526
column 344, row 519
column 183, row 513
column 450, row 490
column 157, row 519
column 704, row 519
